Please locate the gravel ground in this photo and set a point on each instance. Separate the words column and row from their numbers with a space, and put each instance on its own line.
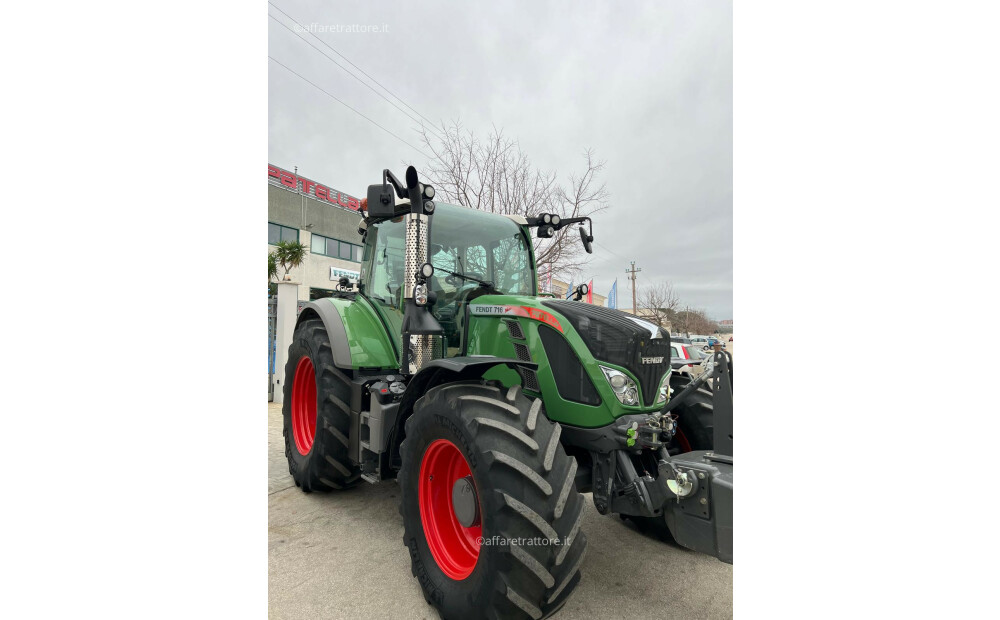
column 341, row 555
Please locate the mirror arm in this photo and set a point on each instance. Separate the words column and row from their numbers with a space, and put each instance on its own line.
column 389, row 177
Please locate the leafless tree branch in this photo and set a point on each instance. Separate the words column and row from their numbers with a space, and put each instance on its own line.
column 495, row 175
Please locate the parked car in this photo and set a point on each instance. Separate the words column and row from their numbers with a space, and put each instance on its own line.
column 693, row 352
column 680, row 339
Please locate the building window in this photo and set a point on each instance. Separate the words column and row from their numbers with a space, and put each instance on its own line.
column 337, row 249
column 277, row 232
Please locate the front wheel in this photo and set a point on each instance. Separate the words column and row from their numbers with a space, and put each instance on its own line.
column 491, row 514
column 316, row 415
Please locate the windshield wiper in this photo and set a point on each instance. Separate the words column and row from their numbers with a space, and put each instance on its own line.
column 485, row 283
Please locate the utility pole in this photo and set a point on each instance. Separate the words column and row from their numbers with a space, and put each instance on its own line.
column 632, row 273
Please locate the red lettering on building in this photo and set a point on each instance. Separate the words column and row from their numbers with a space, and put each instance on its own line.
column 321, row 192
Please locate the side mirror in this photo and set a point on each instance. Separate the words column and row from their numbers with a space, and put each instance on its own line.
column 380, row 201
column 587, row 239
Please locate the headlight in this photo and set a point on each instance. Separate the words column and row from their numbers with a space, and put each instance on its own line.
column 623, row 387
column 664, row 394
column 420, row 294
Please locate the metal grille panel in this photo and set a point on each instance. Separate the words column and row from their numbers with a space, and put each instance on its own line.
column 522, row 352
column 416, row 251
column 572, row 380
column 514, row 330
column 425, row 349
column 530, row 380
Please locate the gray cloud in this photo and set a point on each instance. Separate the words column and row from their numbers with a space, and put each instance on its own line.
column 647, row 85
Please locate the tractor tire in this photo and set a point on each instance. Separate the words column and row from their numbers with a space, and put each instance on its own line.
column 317, row 417
column 695, row 416
column 479, row 441
column 695, row 430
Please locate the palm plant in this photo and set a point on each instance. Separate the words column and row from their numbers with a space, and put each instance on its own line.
column 290, row 254
column 272, row 267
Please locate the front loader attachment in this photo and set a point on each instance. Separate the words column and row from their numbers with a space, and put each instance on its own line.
column 699, row 511
column 702, row 520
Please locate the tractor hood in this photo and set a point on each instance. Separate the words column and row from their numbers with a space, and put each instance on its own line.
column 587, row 335
column 615, row 337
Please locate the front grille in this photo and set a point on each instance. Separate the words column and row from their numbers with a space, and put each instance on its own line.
column 522, row 352
column 572, row 380
column 612, row 336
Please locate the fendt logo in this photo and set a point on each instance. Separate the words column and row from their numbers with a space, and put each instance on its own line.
column 652, row 360
column 312, row 188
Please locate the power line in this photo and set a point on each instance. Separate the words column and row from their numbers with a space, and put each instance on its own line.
column 368, row 86
column 305, row 79
column 609, row 250
column 356, row 67
column 328, row 57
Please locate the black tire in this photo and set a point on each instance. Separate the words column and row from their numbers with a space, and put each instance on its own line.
column 695, row 431
column 695, row 416
column 326, row 466
column 525, row 482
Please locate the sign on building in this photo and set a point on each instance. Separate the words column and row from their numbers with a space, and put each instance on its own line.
column 337, row 274
column 294, row 182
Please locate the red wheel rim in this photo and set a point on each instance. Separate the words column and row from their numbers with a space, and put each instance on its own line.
column 455, row 548
column 682, row 441
column 304, row 406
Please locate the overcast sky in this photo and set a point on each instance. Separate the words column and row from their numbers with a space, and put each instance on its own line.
column 647, row 85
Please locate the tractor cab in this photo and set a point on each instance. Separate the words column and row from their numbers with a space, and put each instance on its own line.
column 473, row 254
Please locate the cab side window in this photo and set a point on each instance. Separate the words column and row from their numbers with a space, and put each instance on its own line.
column 384, row 277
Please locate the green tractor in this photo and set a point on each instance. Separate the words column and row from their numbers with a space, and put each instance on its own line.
column 494, row 408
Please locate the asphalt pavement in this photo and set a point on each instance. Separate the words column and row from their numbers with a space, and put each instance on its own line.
column 341, row 555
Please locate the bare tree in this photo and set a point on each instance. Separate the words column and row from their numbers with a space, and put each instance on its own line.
column 661, row 302
column 695, row 322
column 495, row 175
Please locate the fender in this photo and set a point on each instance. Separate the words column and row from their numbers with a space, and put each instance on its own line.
column 357, row 337
column 334, row 325
column 454, row 369
column 440, row 371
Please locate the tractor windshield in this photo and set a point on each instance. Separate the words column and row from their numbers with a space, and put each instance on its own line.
column 472, row 250
column 475, row 253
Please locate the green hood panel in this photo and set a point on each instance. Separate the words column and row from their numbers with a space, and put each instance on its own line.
column 488, row 335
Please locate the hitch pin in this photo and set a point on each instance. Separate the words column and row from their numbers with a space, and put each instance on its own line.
column 681, row 485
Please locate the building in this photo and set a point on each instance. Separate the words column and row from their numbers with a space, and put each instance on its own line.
column 323, row 219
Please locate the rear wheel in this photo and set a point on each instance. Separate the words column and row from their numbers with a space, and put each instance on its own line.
column 486, row 488
column 695, row 429
column 316, row 414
